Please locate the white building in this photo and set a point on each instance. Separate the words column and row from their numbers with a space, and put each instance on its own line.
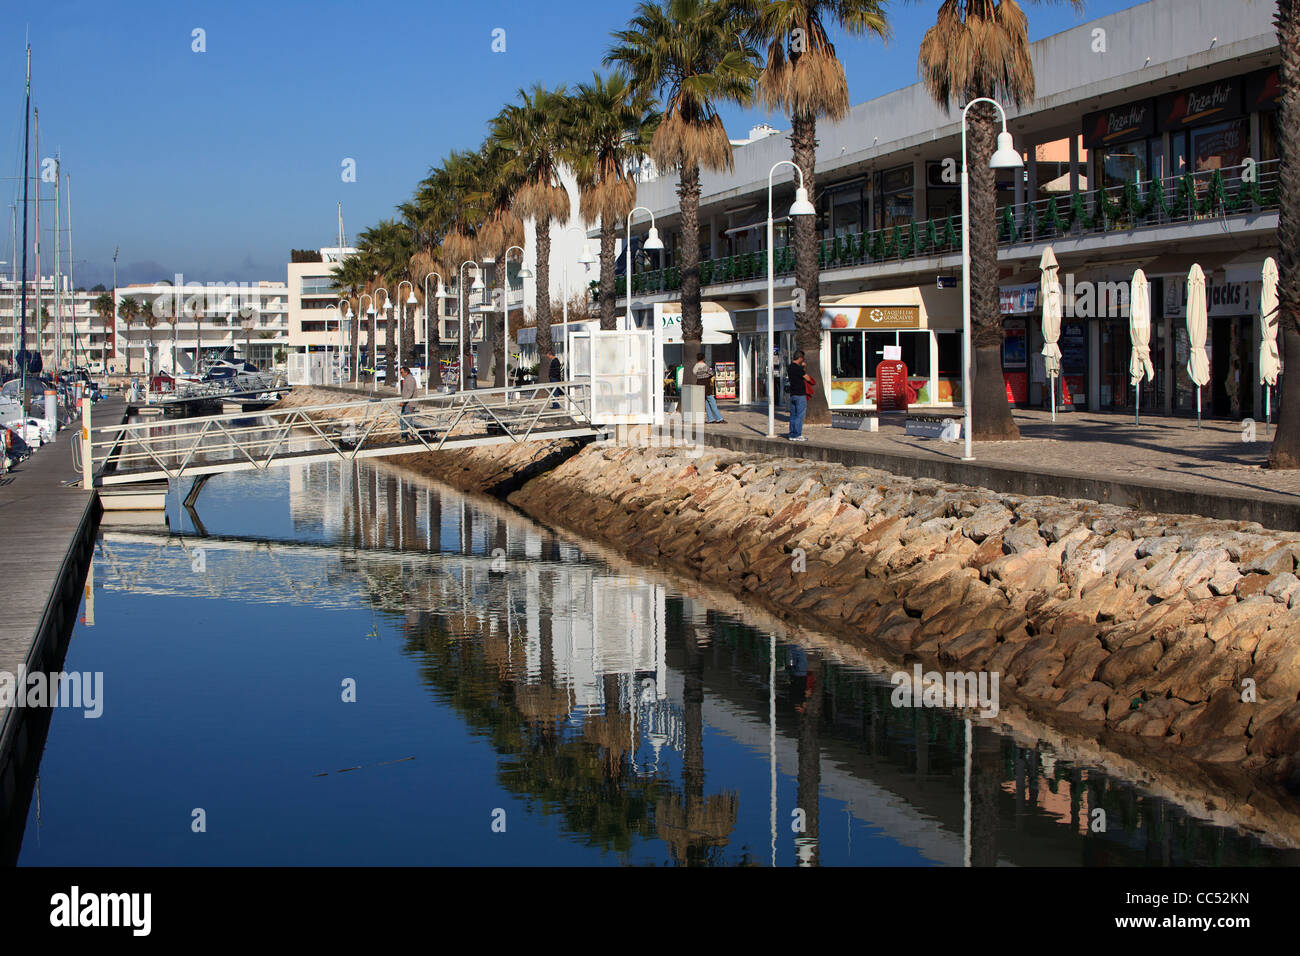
column 85, row 337
column 248, row 320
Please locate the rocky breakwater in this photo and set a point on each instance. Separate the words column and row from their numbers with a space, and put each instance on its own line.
column 1159, row 636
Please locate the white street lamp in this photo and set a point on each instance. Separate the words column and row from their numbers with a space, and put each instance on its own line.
column 524, row 273
column 374, row 347
column 356, row 346
column 345, row 333
column 1005, row 157
column 429, row 357
column 401, row 314
column 476, row 287
column 802, row 206
column 652, row 243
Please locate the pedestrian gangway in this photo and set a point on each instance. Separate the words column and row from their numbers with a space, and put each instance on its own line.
column 153, row 450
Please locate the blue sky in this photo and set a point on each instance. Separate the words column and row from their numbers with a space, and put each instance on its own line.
column 217, row 163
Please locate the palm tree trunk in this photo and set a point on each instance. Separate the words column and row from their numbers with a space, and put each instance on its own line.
column 372, row 342
column 1285, row 452
column 688, row 192
column 544, row 343
column 354, row 331
column 990, row 413
column 389, row 373
column 433, row 348
column 608, row 315
column 807, row 275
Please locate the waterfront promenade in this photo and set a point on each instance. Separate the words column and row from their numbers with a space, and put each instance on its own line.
column 47, row 530
column 1164, row 465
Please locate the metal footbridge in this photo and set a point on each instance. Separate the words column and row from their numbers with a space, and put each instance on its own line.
column 153, row 450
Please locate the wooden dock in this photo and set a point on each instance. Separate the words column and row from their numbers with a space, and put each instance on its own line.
column 47, row 535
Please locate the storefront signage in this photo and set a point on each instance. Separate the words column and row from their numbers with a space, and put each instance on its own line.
column 1019, row 299
column 1199, row 105
column 1133, row 121
column 891, row 386
column 874, row 317
column 1263, row 91
column 725, row 383
column 1221, row 298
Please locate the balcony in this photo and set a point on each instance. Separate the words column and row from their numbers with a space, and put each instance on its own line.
column 1189, row 198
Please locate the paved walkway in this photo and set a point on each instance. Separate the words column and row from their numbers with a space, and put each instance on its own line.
column 1163, row 464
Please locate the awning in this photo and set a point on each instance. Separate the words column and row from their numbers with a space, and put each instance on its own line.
column 1061, row 184
column 911, row 307
column 715, row 316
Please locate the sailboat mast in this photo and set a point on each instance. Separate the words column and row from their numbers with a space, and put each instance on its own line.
column 58, row 275
column 27, row 115
column 72, row 265
column 36, row 212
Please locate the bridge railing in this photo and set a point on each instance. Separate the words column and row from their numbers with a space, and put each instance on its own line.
column 153, row 449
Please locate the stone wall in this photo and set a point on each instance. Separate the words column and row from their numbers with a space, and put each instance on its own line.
column 1160, row 634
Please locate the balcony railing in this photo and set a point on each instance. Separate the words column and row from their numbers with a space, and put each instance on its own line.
column 1188, row 198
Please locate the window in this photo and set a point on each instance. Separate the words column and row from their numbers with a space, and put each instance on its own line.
column 846, row 354
column 1220, row 146
column 895, row 198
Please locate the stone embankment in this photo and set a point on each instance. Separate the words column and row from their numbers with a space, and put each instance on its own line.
column 1160, row 636
column 1172, row 633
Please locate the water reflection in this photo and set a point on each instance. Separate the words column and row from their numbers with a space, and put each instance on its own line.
column 643, row 724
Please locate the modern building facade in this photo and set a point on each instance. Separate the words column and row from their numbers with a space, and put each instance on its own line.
column 68, row 318
column 1151, row 144
column 176, row 322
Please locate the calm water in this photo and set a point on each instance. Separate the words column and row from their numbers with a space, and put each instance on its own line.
column 517, row 701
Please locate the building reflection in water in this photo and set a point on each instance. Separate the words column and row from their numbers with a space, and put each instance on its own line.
column 604, row 693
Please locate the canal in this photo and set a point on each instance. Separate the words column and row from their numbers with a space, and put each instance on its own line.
column 332, row 664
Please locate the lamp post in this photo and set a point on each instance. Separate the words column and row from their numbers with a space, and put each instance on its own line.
column 356, row 346
column 476, row 287
column 344, row 337
column 401, row 315
column 524, row 273
column 652, row 243
column 802, row 206
column 429, row 357
column 1005, row 157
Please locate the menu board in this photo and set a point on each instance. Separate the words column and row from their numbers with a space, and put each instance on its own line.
column 891, row 386
column 726, row 379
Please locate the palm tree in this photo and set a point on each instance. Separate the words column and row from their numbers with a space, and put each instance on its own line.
column 350, row 278
column 693, row 53
column 386, row 250
column 127, row 310
column 536, row 137
column 804, row 77
column 613, row 125
column 103, row 306
column 1285, row 452
column 150, row 323
column 981, row 48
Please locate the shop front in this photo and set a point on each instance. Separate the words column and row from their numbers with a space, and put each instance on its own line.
column 891, row 348
column 1232, row 342
column 718, row 344
column 753, row 367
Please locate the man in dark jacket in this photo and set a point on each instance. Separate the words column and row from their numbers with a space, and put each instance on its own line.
column 797, row 381
column 556, row 374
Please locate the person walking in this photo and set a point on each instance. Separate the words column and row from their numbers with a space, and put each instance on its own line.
column 556, row 374
column 408, row 389
column 704, row 375
column 800, row 385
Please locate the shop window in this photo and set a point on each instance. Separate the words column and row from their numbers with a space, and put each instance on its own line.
column 1122, row 163
column 846, row 354
column 1221, row 146
column 895, row 192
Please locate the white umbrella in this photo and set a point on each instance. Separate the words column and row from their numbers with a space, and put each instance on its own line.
column 1198, row 363
column 1269, row 362
column 1139, row 330
column 1051, row 293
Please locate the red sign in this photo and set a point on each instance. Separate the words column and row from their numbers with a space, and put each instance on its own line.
column 891, row 386
column 1017, row 387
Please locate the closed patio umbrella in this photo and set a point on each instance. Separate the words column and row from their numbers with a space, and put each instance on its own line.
column 1269, row 362
column 1198, row 363
column 1051, row 293
column 1139, row 330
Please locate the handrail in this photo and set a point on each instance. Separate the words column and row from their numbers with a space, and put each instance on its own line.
column 1237, row 190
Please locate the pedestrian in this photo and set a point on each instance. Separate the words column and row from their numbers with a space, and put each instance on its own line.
column 704, row 375
column 408, row 393
column 555, row 374
column 801, row 385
